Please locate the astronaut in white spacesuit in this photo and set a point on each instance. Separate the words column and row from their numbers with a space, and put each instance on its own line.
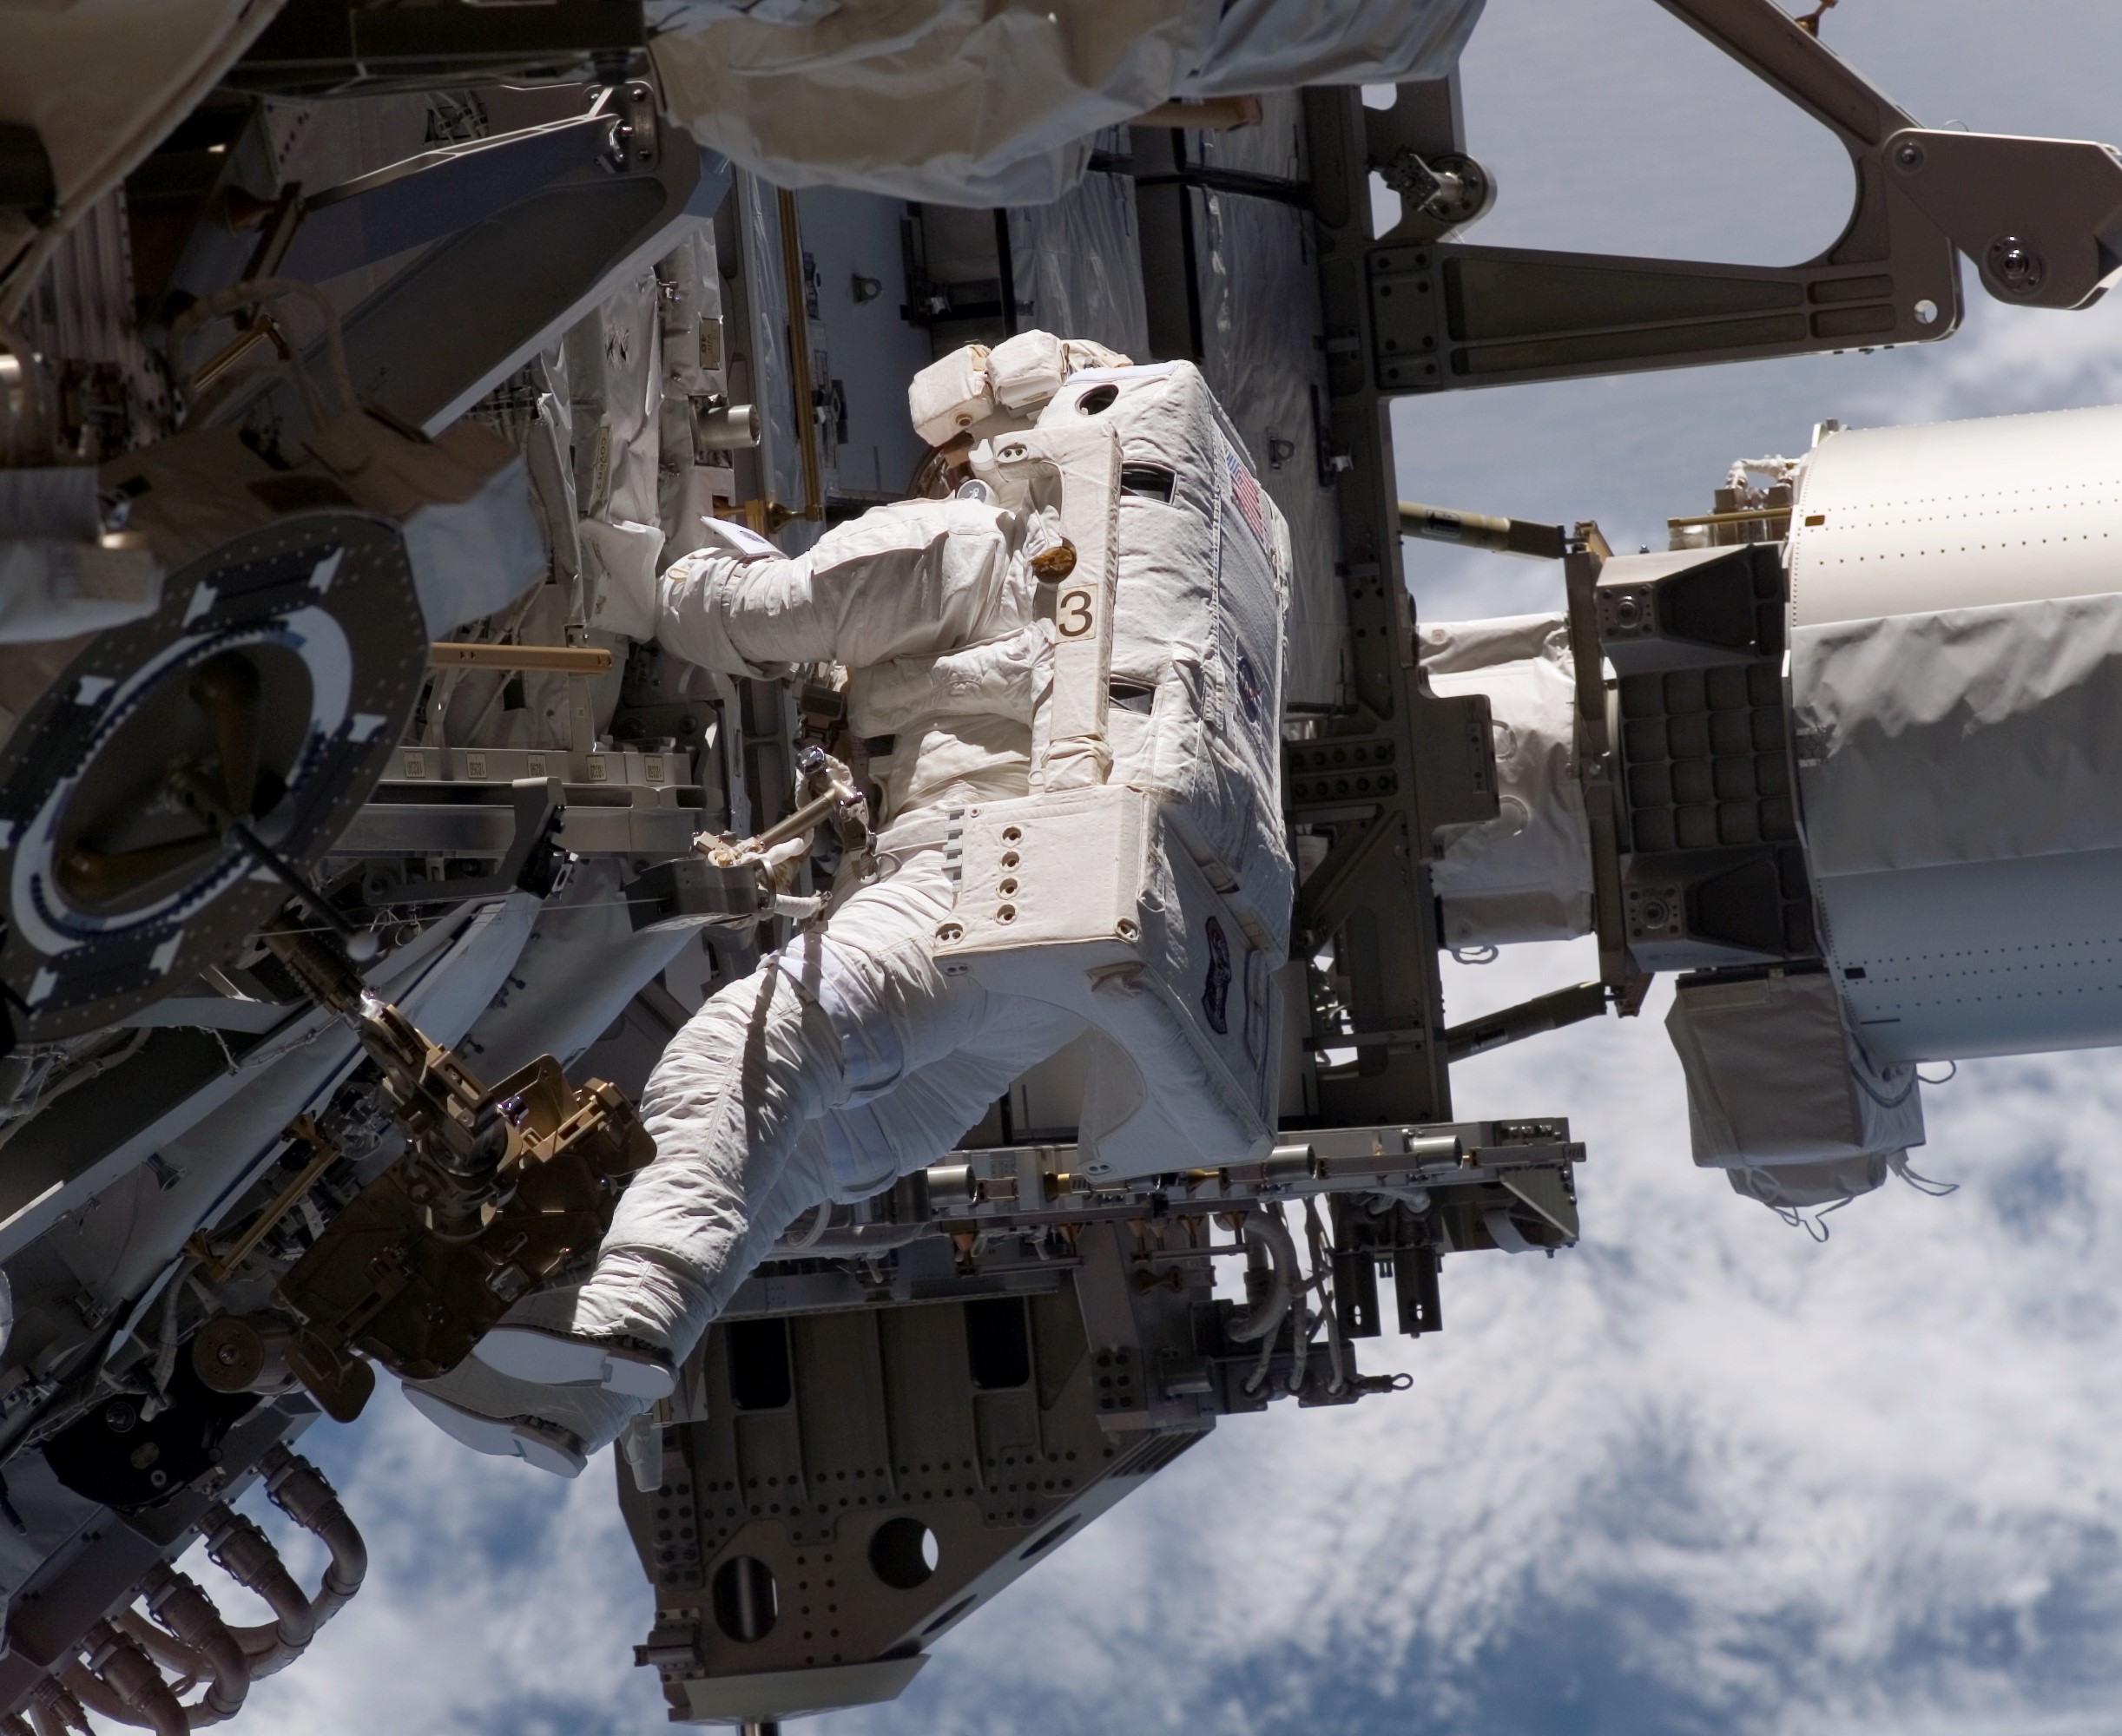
column 848, row 1058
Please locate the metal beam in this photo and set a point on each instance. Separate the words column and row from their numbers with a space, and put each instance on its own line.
column 529, row 272
column 1387, row 780
column 2042, row 218
column 436, row 194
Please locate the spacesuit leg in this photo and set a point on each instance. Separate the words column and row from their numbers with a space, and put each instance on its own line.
column 848, row 1153
column 559, row 1429
column 838, row 1019
column 725, row 1106
column 868, row 1146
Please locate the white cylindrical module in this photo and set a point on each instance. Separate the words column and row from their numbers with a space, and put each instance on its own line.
column 1956, row 686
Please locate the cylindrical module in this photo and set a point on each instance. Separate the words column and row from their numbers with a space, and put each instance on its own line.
column 1956, row 684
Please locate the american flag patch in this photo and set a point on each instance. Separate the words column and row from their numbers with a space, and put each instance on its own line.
column 1245, row 496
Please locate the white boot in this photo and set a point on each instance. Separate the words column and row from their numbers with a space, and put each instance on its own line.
column 537, row 1342
column 556, row 1428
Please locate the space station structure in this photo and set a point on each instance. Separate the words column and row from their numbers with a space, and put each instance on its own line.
column 1851, row 745
column 364, row 369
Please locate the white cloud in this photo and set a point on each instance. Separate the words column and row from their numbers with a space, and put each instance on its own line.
column 497, row 1597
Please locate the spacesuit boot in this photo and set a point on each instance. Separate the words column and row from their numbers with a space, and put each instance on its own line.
column 553, row 1430
column 537, row 1341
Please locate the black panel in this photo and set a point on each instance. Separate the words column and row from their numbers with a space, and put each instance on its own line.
column 760, row 1378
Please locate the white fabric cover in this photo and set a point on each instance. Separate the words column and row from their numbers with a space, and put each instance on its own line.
column 104, row 82
column 956, row 102
column 1264, row 355
column 1203, row 598
column 472, row 556
column 463, row 500
column 618, row 575
column 1078, row 261
column 1527, row 874
column 1788, row 1187
column 1775, row 1079
column 1966, row 735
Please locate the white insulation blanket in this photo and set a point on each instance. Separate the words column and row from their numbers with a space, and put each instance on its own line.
column 992, row 102
column 1197, row 646
column 1527, row 874
column 1778, row 1086
column 1967, row 735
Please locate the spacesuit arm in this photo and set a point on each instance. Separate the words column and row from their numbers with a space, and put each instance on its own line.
column 915, row 578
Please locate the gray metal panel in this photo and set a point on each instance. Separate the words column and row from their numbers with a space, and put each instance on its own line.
column 436, row 194
column 2013, row 957
column 870, row 351
column 529, row 272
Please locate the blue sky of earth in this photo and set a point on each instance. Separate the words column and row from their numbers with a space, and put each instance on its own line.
column 1700, row 1474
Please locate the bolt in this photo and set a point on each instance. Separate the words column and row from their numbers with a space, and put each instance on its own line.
column 2015, row 265
column 1908, row 155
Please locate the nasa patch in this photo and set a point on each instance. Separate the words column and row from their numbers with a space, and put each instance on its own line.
column 1248, row 689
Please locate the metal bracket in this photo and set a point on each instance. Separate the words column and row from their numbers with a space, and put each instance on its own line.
column 2042, row 218
column 1580, row 568
column 1528, row 1018
column 537, row 803
column 1408, row 762
column 438, row 193
column 531, row 270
